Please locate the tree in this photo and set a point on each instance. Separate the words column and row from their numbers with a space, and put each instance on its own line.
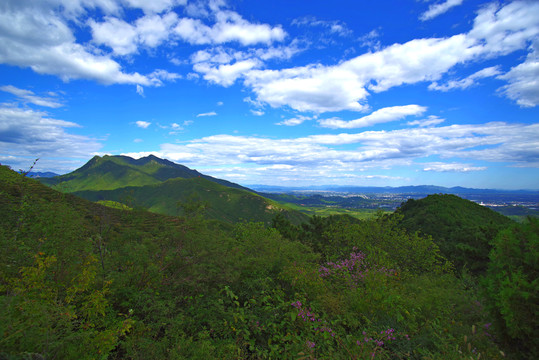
column 512, row 282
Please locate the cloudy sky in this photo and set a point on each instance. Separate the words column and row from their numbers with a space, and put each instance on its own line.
column 306, row 92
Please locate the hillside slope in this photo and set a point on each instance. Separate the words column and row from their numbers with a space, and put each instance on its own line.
column 220, row 202
column 462, row 229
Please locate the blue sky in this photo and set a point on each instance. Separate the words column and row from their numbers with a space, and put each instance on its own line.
column 370, row 93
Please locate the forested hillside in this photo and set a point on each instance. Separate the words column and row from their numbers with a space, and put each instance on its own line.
column 83, row 281
column 462, row 229
column 167, row 188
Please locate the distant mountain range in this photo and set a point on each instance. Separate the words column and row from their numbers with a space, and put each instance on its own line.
column 419, row 189
column 161, row 186
column 37, row 174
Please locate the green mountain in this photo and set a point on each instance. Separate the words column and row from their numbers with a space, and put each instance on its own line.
column 113, row 172
column 167, row 188
column 462, row 229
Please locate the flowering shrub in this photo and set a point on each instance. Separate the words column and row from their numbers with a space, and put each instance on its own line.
column 352, row 270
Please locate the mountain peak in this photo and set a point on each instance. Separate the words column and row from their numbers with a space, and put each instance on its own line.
column 116, row 171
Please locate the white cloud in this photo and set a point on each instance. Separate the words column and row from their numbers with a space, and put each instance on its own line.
column 307, row 159
column 523, row 81
column 41, row 40
column 28, row 96
column 229, row 27
column 346, row 86
column 225, row 74
column 452, row 167
column 138, row 141
column 143, row 124
column 430, row 121
column 224, row 66
column 124, row 38
column 257, row 112
column 300, row 119
column 468, row 81
column 439, row 8
column 502, row 30
column 116, row 34
column 140, row 90
column 371, row 40
column 25, row 132
column 157, row 77
column 211, row 113
column 155, row 6
column 333, row 27
column 309, row 88
column 379, row 116
column 492, row 142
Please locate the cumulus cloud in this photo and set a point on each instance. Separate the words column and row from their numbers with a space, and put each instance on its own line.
column 379, row 116
column 123, row 38
column 41, row 40
column 224, row 66
column 28, row 96
column 317, row 88
column 225, row 74
column 143, row 124
column 310, row 88
column 439, row 8
column 40, row 37
column 229, row 27
column 346, row 86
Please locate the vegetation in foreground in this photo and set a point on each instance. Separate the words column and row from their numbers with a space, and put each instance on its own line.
column 81, row 280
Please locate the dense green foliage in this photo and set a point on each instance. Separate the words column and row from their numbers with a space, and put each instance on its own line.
column 462, row 229
column 512, row 283
column 222, row 202
column 85, row 281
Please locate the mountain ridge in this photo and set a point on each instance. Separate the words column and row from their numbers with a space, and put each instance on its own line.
column 163, row 187
column 110, row 172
